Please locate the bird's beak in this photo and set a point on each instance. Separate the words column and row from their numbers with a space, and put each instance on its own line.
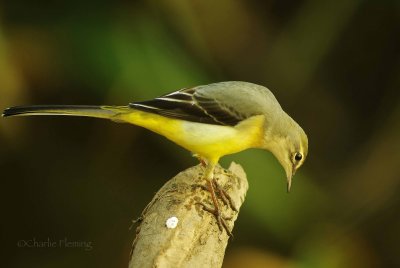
column 289, row 174
column 289, row 183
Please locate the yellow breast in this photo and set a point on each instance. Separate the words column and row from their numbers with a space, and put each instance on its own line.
column 206, row 140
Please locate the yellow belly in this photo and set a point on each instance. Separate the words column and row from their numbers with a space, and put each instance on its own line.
column 206, row 140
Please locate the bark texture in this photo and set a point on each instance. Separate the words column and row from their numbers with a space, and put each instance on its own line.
column 196, row 241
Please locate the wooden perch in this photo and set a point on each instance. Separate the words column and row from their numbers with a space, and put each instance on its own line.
column 196, row 241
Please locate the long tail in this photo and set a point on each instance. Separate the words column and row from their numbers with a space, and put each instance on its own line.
column 107, row 112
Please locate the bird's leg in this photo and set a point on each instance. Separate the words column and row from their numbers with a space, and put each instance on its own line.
column 201, row 160
column 216, row 211
column 226, row 198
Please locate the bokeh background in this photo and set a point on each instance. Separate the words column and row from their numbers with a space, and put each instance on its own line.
column 333, row 65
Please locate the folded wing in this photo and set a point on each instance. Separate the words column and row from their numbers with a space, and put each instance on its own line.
column 185, row 104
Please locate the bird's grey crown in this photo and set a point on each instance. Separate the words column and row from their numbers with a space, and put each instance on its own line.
column 224, row 103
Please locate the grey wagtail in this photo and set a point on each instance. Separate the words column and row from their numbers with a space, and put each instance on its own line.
column 210, row 121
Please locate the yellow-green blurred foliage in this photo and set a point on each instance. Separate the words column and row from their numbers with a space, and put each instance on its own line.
column 333, row 65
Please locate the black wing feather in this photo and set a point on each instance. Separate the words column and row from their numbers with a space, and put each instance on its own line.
column 186, row 105
column 220, row 112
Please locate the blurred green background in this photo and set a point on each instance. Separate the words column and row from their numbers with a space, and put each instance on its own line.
column 333, row 65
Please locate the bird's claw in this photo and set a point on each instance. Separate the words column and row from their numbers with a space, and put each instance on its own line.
column 215, row 189
column 221, row 220
column 222, row 194
column 225, row 197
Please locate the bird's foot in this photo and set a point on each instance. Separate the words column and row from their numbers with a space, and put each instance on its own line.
column 221, row 220
column 224, row 196
column 216, row 190
column 221, row 193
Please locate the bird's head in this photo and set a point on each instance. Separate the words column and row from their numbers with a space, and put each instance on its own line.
column 290, row 147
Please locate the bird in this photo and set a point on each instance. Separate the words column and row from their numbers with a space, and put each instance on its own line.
column 210, row 121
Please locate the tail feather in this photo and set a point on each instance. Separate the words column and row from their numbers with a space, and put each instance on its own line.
column 70, row 110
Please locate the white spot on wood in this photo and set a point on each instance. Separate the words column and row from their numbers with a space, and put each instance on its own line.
column 172, row 222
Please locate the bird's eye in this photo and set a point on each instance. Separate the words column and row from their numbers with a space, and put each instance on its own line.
column 298, row 156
